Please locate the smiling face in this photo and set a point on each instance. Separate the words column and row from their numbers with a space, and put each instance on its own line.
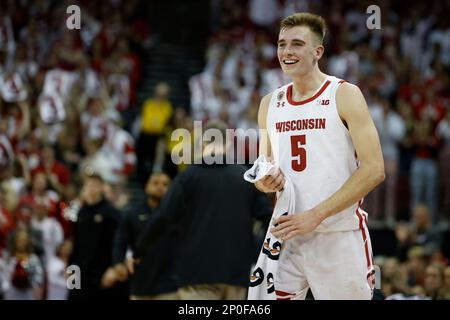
column 299, row 49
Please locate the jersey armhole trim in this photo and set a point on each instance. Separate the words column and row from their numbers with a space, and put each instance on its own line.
column 343, row 122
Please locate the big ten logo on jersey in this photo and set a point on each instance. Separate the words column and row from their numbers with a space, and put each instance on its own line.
column 280, row 97
column 323, row 102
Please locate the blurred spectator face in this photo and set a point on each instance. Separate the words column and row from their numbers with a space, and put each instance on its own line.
column 39, row 183
column 403, row 232
column 217, row 88
column 421, row 217
column 48, row 156
column 386, row 106
column 14, row 110
column 38, row 80
column 389, row 268
column 65, row 250
column 447, row 277
column 67, row 138
column 93, row 187
column 40, row 212
column 95, row 106
column 162, row 91
column 3, row 127
column 23, row 216
column 252, row 113
column 418, row 291
column 157, row 185
column 178, row 117
column 422, row 130
column 21, row 241
column 68, row 39
column 70, row 192
column 5, row 172
column 416, row 260
column 92, row 146
column 387, row 289
column 122, row 46
column 108, row 191
column 299, row 45
column 188, row 123
column 433, row 279
column 2, row 198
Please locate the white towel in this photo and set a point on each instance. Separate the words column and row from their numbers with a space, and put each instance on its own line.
column 262, row 279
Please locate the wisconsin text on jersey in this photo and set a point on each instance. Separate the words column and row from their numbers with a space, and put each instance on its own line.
column 300, row 124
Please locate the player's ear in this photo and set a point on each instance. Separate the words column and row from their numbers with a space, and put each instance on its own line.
column 319, row 51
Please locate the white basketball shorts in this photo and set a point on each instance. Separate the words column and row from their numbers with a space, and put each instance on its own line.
column 335, row 265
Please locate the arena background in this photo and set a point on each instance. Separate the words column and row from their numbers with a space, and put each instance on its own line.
column 77, row 98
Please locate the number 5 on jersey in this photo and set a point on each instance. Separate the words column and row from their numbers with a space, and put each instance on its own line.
column 298, row 152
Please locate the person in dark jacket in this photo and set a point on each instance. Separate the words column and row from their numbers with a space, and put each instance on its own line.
column 216, row 210
column 94, row 228
column 153, row 278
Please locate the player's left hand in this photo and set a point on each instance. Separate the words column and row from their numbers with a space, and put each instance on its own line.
column 287, row 227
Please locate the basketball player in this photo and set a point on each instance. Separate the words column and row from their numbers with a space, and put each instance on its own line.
column 320, row 134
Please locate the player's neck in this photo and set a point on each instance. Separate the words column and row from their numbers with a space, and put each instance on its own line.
column 307, row 84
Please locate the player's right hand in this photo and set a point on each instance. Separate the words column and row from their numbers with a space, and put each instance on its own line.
column 271, row 183
column 109, row 278
column 121, row 272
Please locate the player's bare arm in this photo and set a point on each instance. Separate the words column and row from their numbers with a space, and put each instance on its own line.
column 275, row 182
column 354, row 112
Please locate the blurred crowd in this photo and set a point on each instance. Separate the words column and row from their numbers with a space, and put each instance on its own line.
column 69, row 107
column 66, row 99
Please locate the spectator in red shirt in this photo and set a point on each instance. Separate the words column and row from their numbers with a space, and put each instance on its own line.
column 57, row 173
column 40, row 194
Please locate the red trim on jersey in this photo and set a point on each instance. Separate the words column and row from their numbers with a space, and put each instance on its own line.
column 362, row 220
column 342, row 81
column 298, row 103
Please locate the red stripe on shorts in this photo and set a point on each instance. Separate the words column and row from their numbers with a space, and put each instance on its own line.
column 282, row 295
column 365, row 239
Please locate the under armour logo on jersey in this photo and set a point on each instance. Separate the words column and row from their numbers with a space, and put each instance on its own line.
column 323, row 102
column 279, row 98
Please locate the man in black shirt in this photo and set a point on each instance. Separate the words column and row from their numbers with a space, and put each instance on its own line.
column 153, row 278
column 94, row 229
column 215, row 209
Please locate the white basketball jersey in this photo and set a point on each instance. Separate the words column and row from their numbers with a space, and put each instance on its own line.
column 314, row 150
